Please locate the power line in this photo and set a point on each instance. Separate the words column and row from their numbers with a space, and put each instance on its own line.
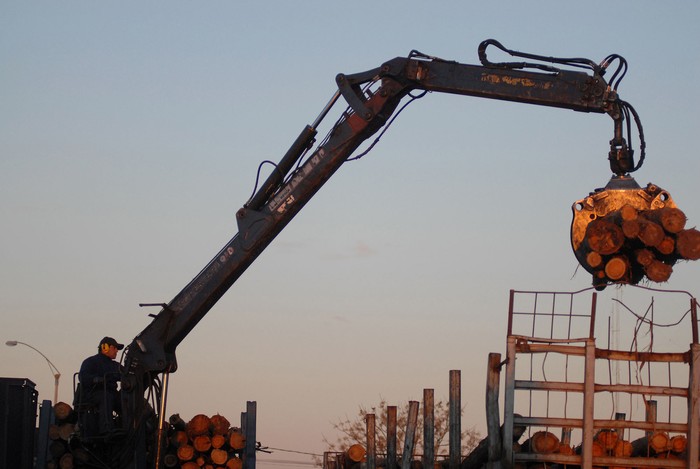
column 285, row 462
column 293, row 451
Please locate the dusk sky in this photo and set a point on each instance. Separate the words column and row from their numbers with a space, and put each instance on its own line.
column 131, row 133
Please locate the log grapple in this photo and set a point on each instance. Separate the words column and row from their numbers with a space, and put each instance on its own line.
column 624, row 233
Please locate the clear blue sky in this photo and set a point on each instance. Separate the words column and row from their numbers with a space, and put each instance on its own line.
column 130, row 134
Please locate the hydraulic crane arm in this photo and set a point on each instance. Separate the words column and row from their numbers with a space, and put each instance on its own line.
column 373, row 97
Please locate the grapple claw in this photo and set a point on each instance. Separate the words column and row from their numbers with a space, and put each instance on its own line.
column 623, row 233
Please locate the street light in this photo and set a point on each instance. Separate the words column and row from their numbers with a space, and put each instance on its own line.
column 54, row 371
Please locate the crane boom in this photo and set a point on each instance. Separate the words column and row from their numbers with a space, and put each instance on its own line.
column 276, row 203
column 373, row 98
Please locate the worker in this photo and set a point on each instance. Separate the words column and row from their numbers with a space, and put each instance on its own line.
column 99, row 375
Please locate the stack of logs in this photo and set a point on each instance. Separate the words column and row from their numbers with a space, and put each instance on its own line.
column 204, row 443
column 60, row 457
column 608, row 443
column 628, row 244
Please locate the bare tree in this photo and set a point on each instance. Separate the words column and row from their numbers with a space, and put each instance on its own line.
column 353, row 430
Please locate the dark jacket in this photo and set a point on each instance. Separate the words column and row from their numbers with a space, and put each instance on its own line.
column 98, row 373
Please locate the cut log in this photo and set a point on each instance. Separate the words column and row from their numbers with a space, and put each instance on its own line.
column 65, row 431
column 688, row 244
column 199, row 425
column 356, row 453
column 202, row 443
column 62, row 411
column 628, row 212
column 650, row 233
column 218, row 457
column 81, row 456
column 645, row 257
column 565, row 449
column 594, row 259
column 54, row 434
column 200, row 460
column 480, row 455
column 234, row 463
column 178, row 438
column 218, row 441
column 670, row 218
column 659, row 441
column 616, row 268
column 235, row 439
column 66, row 461
column 219, row 425
column 544, row 442
column 189, row 465
column 630, row 228
column 623, row 449
column 597, row 449
column 170, row 460
column 657, row 271
column 667, row 246
column 57, row 448
column 604, row 236
column 185, row 453
column 607, row 438
column 678, row 443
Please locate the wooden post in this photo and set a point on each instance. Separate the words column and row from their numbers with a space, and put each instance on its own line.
column 694, row 407
column 508, row 405
column 428, row 428
column 650, row 415
column 455, row 418
column 371, row 443
column 694, row 318
column 493, row 417
column 410, row 435
column 391, row 437
column 588, row 402
column 250, row 435
column 591, row 325
column 370, row 423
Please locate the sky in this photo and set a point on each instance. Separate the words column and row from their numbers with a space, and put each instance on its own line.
column 131, row 133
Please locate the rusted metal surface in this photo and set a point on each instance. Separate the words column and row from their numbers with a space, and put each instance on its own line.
column 529, row 388
column 428, row 428
column 391, row 429
column 409, row 438
column 601, row 461
column 644, row 357
column 493, row 421
column 694, row 405
column 455, row 418
column 370, row 422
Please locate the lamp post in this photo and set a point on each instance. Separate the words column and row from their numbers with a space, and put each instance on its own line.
column 54, row 371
